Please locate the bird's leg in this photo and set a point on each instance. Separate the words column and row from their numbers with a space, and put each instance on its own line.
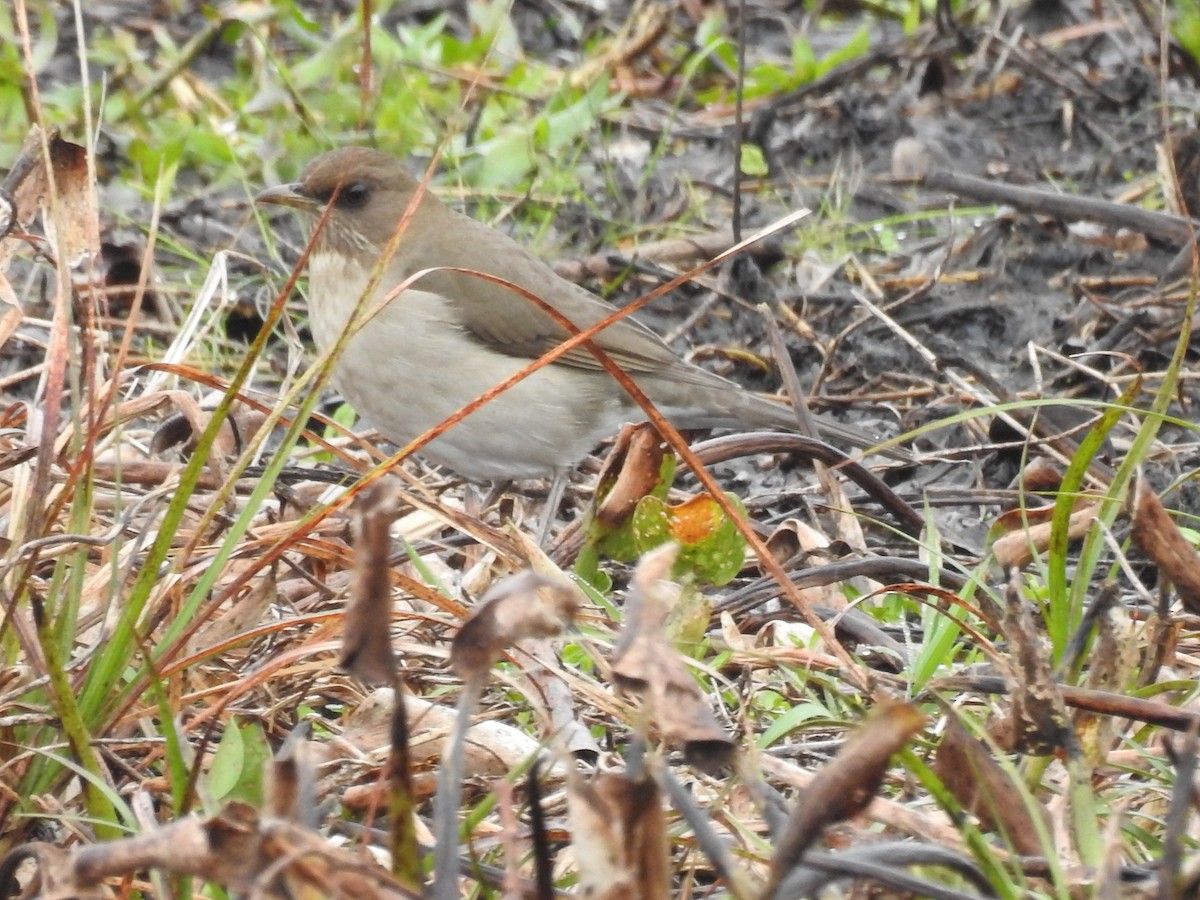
column 558, row 487
column 497, row 490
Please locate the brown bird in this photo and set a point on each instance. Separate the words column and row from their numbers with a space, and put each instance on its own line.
column 451, row 336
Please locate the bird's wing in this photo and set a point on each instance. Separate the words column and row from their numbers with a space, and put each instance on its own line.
column 508, row 322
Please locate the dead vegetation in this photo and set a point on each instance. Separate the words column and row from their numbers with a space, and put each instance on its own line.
column 246, row 648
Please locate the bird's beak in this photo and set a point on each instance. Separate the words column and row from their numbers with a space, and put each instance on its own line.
column 288, row 195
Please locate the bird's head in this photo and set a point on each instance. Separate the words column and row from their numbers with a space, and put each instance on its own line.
column 365, row 191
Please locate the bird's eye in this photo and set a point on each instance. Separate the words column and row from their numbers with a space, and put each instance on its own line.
column 353, row 195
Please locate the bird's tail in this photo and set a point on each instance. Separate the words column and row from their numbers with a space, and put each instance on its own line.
column 755, row 411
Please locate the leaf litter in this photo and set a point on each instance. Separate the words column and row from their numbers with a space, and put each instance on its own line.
column 997, row 270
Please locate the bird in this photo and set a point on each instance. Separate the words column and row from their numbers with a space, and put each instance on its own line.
column 451, row 335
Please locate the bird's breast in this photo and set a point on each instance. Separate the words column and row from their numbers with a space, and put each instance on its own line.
column 412, row 364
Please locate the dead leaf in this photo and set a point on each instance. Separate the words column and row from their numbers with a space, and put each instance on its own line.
column 548, row 692
column 521, row 606
column 1038, row 722
column 1157, row 535
column 632, row 469
column 644, row 663
column 846, row 786
column 185, row 429
column 1016, row 549
column 237, row 848
column 970, row 772
column 1113, row 661
column 493, row 749
column 73, row 228
column 366, row 641
column 618, row 837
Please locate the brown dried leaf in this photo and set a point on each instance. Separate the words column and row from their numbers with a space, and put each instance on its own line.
column 237, row 848
column 1015, row 521
column 1016, row 549
column 493, row 749
column 22, row 193
column 190, row 424
column 548, row 692
column 795, row 540
column 366, row 643
column 619, row 837
column 646, row 664
column 983, row 787
column 289, row 788
column 521, row 606
column 1157, row 535
column 1114, row 658
column 1040, row 474
column 847, row 785
column 186, row 427
column 248, row 610
column 633, row 468
column 74, row 227
column 11, row 313
column 53, row 878
column 1038, row 723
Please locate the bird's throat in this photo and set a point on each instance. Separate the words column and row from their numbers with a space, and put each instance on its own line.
column 336, row 282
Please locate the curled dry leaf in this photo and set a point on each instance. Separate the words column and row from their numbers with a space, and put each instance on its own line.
column 237, row 849
column 1038, row 724
column 644, row 663
column 73, row 225
column 73, row 229
column 632, row 469
column 187, row 426
column 549, row 695
column 1041, row 474
column 492, row 749
column 796, row 538
column 970, row 772
column 618, row 837
column 24, row 188
column 366, row 641
column 521, row 606
column 1016, row 549
column 1157, row 535
column 844, row 787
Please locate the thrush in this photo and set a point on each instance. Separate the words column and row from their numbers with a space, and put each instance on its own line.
column 452, row 335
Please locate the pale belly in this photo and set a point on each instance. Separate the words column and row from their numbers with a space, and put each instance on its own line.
column 408, row 370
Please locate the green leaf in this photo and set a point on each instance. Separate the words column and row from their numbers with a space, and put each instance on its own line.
column 790, row 721
column 1186, row 27
column 228, row 763
column 237, row 766
column 857, row 46
column 804, row 61
column 753, row 163
column 711, row 547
